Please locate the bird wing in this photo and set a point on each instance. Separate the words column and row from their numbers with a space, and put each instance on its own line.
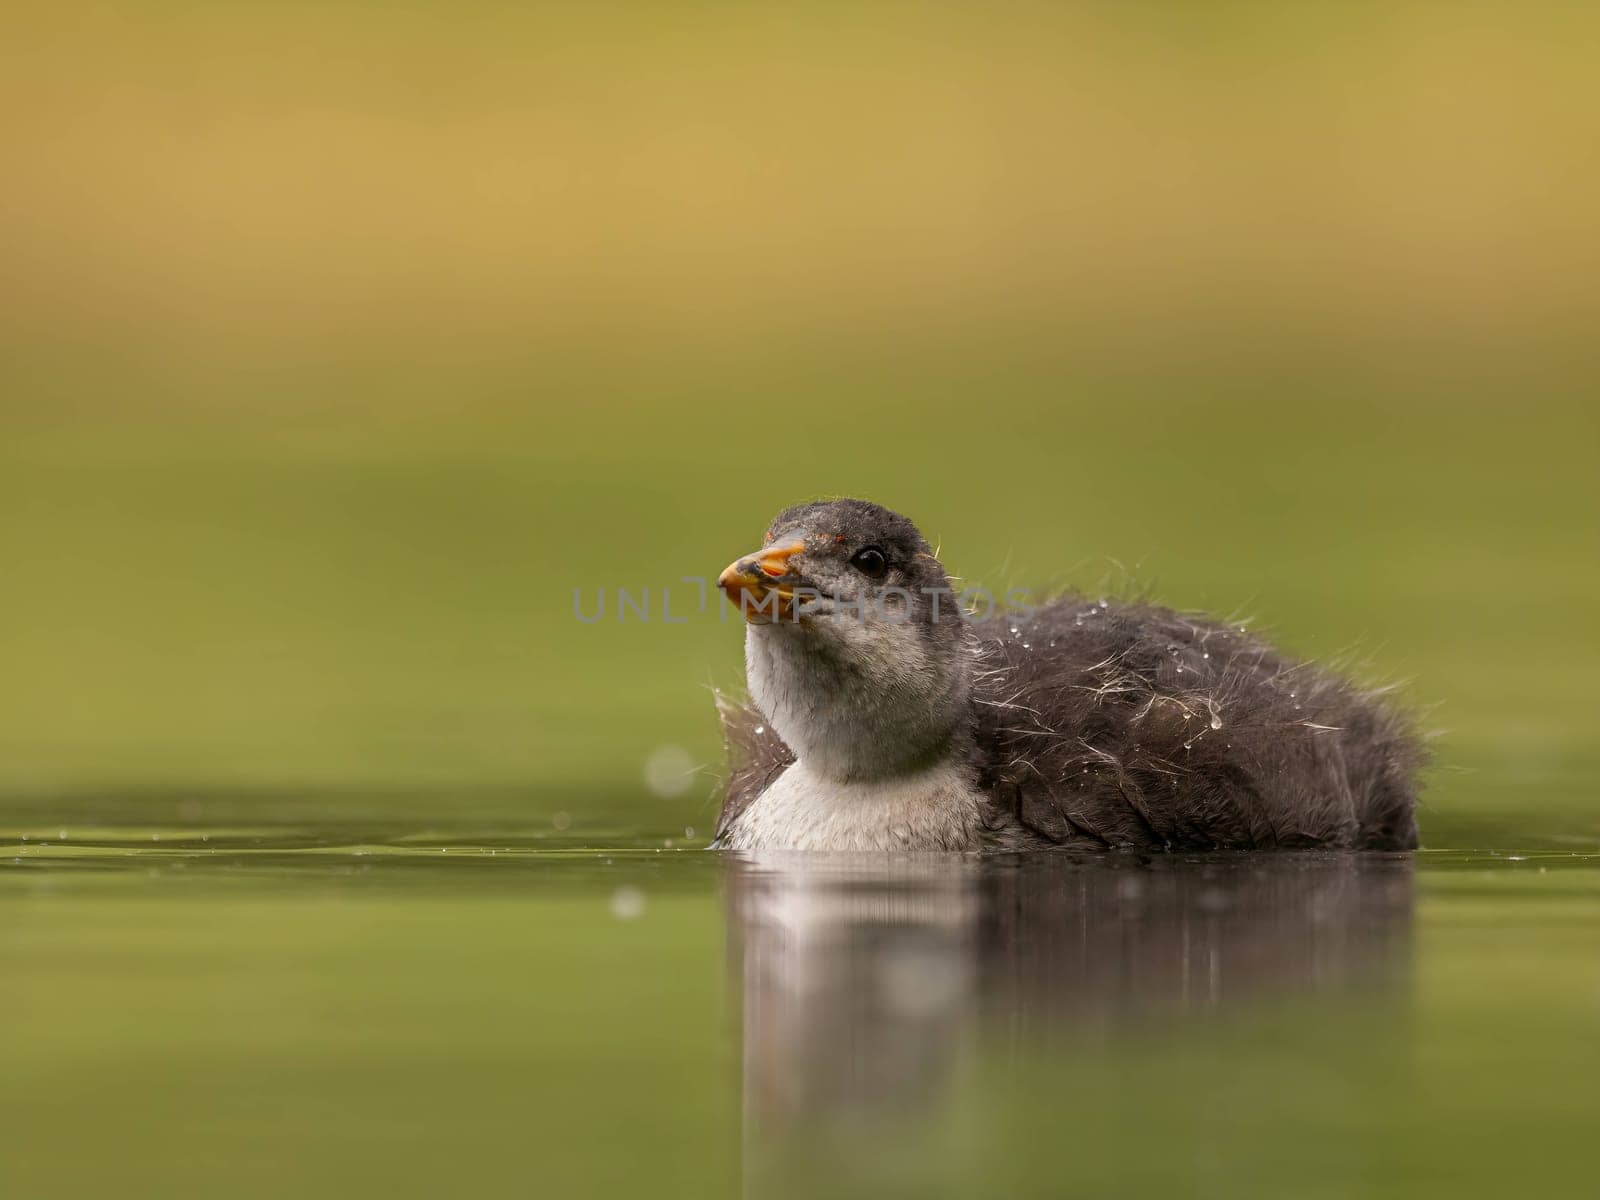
column 755, row 754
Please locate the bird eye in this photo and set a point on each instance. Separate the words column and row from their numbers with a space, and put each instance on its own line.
column 870, row 562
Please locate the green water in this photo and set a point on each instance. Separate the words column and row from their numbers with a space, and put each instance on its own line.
column 418, row 995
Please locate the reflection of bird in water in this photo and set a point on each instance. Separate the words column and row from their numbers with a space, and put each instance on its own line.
column 865, row 977
column 856, row 987
column 883, row 718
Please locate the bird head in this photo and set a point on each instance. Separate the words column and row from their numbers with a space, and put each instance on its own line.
column 856, row 649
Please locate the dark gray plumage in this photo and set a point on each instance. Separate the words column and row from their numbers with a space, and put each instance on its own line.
column 1126, row 725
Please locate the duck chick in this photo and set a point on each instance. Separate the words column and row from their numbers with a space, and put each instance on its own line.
column 883, row 717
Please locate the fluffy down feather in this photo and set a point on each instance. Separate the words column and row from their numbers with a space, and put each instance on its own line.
column 1133, row 726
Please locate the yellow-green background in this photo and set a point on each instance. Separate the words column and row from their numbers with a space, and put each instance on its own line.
column 340, row 342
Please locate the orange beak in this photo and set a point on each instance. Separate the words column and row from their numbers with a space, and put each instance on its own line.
column 753, row 583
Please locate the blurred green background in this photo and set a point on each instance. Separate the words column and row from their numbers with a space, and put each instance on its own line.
column 340, row 342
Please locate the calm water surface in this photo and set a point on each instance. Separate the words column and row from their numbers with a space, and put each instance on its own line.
column 253, row 996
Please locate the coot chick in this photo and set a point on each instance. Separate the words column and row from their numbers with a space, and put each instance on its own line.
column 883, row 717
